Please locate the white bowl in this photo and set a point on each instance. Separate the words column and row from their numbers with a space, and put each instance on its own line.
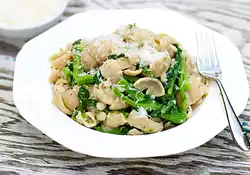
column 33, row 30
column 33, row 93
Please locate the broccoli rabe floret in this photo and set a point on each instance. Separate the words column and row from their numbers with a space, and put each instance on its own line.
column 84, row 101
column 145, row 70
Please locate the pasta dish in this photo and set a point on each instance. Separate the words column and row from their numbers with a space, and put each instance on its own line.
column 130, row 82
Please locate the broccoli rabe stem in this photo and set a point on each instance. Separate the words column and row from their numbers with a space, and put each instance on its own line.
column 124, row 98
column 130, row 78
column 183, row 82
column 144, row 102
column 133, row 93
column 85, row 79
column 174, row 72
column 150, row 105
column 67, row 72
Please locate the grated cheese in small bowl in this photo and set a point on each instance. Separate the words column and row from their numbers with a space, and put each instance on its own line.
column 27, row 18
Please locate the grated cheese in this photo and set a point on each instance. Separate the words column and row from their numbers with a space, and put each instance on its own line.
column 25, row 13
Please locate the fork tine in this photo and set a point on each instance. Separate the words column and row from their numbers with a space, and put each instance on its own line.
column 212, row 52
column 200, row 49
column 199, row 60
column 206, row 49
column 216, row 61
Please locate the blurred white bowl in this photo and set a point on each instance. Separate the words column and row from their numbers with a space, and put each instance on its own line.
column 32, row 91
column 31, row 31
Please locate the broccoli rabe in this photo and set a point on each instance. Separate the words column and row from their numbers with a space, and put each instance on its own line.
column 130, row 26
column 86, row 79
column 78, row 73
column 116, row 56
column 124, row 98
column 145, row 70
column 177, row 83
column 67, row 73
column 135, row 98
column 173, row 74
column 132, row 92
column 76, row 47
column 130, row 78
column 183, row 82
column 83, row 97
column 176, row 117
column 84, row 101
column 122, row 130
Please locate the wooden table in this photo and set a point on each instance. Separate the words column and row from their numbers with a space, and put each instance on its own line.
column 25, row 150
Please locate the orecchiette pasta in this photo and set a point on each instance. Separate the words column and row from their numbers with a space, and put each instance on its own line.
column 87, row 119
column 58, row 101
column 88, row 61
column 165, row 45
column 101, row 48
column 111, row 69
column 154, row 86
column 160, row 67
column 132, row 72
column 134, row 132
column 115, row 119
column 198, row 89
column 143, row 123
column 132, row 82
column 70, row 98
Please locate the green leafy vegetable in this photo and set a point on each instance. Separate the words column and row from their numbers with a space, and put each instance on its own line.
column 86, row 79
column 130, row 26
column 135, row 98
column 124, row 98
column 145, row 70
column 83, row 97
column 76, row 47
column 175, row 117
column 78, row 74
column 115, row 56
column 183, row 82
column 67, row 72
column 130, row 78
column 177, row 83
column 132, row 92
column 123, row 130
column 84, row 100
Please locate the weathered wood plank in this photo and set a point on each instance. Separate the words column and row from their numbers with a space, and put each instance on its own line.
column 25, row 150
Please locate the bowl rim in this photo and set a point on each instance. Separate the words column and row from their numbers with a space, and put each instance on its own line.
column 42, row 23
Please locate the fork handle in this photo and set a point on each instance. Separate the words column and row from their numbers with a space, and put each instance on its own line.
column 237, row 131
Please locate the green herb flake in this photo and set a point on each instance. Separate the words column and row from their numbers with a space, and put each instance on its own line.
column 130, row 26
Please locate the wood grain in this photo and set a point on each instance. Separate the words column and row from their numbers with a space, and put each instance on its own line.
column 25, row 150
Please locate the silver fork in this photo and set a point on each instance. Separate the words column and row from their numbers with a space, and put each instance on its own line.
column 209, row 66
